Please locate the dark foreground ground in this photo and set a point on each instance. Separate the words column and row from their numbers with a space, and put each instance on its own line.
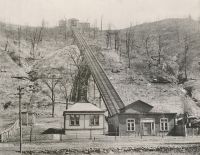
column 120, row 146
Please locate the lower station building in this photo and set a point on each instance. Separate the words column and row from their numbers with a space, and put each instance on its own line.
column 139, row 118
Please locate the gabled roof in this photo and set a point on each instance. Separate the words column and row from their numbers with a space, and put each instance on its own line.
column 137, row 107
column 84, row 107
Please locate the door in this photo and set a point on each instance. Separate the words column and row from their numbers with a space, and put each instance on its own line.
column 147, row 128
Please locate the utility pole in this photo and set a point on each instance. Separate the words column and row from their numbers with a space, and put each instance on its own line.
column 20, row 116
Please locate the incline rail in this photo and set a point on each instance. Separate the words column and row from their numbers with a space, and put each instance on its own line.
column 111, row 98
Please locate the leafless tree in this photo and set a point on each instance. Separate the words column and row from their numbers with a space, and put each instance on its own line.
column 186, row 49
column 130, row 44
column 160, row 48
column 8, row 33
column 19, row 31
column 101, row 23
column 95, row 29
column 146, row 41
column 117, row 40
column 51, row 83
column 128, row 40
column 108, row 37
column 65, row 85
column 36, row 37
column 177, row 31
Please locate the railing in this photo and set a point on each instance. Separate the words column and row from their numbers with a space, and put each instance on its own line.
column 4, row 135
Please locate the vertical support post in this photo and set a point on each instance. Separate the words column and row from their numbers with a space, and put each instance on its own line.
column 94, row 89
column 99, row 100
column 27, row 117
column 115, row 133
column 20, row 119
column 185, row 130
column 90, row 133
column 31, row 132
column 64, row 123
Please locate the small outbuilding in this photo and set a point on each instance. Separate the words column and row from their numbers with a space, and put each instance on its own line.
column 84, row 118
column 139, row 118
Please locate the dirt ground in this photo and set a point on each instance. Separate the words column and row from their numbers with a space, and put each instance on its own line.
column 110, row 145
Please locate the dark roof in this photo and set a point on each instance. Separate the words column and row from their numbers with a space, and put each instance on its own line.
column 138, row 107
column 139, row 102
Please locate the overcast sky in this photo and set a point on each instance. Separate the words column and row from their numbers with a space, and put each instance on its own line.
column 118, row 12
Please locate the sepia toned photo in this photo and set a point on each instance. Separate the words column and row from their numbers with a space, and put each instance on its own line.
column 99, row 77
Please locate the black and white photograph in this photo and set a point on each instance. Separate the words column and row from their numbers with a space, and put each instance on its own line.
column 99, row 77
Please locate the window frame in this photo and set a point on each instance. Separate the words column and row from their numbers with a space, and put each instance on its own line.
column 132, row 127
column 92, row 121
column 164, row 121
column 75, row 120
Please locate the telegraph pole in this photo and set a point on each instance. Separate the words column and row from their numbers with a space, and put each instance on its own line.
column 20, row 116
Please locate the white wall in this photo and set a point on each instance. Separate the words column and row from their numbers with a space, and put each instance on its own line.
column 84, row 122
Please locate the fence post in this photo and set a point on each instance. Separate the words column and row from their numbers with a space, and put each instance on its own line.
column 90, row 133
column 31, row 131
column 61, row 137
column 185, row 129
column 116, row 134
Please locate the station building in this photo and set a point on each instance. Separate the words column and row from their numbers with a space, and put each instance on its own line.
column 84, row 118
column 140, row 118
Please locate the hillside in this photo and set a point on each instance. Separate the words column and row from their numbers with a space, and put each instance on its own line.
column 141, row 82
column 137, row 82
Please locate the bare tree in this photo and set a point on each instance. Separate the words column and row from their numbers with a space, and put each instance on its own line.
column 8, row 34
column 128, row 40
column 146, row 41
column 130, row 44
column 101, row 23
column 117, row 40
column 51, row 83
column 95, row 29
column 35, row 38
column 160, row 48
column 177, row 31
column 108, row 37
column 19, row 43
column 65, row 85
column 186, row 49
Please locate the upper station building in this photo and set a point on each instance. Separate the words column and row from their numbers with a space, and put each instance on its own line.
column 73, row 22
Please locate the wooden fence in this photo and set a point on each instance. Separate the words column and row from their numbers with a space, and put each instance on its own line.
column 4, row 135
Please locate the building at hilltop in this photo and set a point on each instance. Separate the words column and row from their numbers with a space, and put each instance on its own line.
column 84, row 26
column 73, row 22
column 62, row 23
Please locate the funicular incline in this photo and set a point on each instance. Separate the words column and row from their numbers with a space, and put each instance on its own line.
column 111, row 98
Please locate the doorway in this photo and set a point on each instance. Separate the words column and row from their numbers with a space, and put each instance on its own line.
column 148, row 126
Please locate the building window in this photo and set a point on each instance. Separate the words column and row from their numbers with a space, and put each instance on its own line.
column 130, row 124
column 164, row 124
column 74, row 120
column 94, row 120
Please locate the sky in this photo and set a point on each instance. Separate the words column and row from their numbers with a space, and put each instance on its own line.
column 117, row 13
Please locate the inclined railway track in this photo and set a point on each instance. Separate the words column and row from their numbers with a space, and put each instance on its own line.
column 111, row 98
